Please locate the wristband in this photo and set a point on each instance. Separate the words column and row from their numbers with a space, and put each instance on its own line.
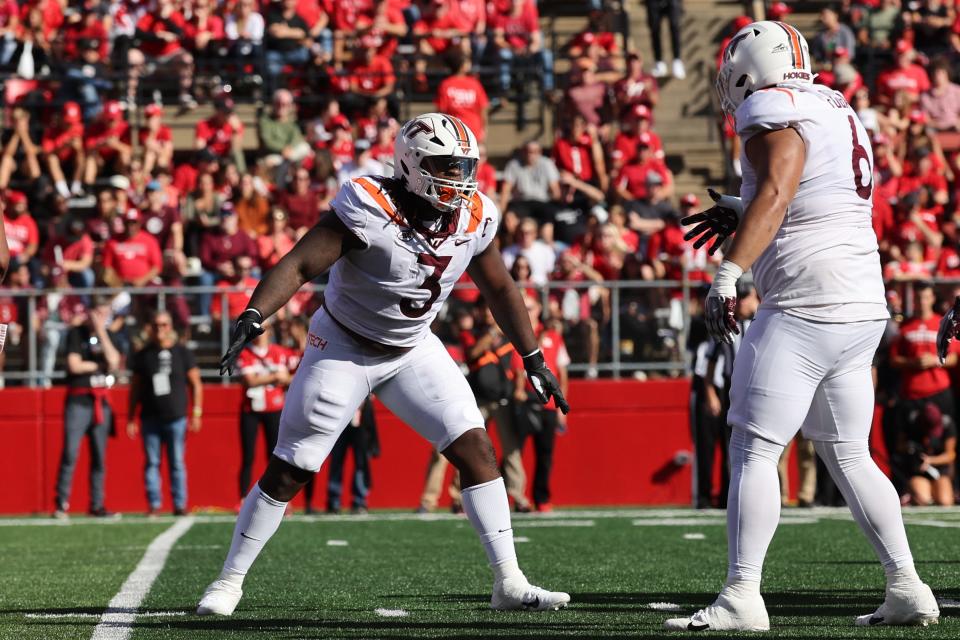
column 725, row 281
column 197, row 412
column 533, row 360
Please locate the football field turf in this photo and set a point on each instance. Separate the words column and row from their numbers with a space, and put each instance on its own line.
column 392, row 575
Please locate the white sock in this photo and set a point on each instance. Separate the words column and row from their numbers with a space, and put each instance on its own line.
column 488, row 510
column 872, row 500
column 753, row 504
column 62, row 188
column 259, row 518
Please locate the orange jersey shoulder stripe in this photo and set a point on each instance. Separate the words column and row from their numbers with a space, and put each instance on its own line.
column 476, row 213
column 380, row 199
column 783, row 90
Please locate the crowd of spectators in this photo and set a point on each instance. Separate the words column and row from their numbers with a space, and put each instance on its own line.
column 95, row 193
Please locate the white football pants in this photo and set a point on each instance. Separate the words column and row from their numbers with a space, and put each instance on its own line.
column 790, row 374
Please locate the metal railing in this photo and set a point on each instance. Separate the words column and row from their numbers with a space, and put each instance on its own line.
column 664, row 330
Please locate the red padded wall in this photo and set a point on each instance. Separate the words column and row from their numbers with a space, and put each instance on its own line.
column 619, row 450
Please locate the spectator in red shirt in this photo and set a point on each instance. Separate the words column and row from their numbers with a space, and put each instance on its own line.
column 236, row 300
column 371, row 76
column 914, row 353
column 133, row 259
column 301, row 203
column 62, row 145
column 912, row 266
column 265, row 375
column 222, row 133
column 23, row 237
column 579, row 152
column 633, row 125
column 596, row 41
column 636, row 182
column 904, row 76
column 156, row 140
column 517, row 37
column 106, row 143
column 637, row 86
column 71, row 250
column 203, row 28
column 78, row 36
column 161, row 32
column 384, row 144
column 471, row 16
column 276, row 242
column 462, row 95
column 20, row 153
column 440, row 29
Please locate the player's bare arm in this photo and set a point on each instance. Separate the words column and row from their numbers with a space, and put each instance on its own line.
column 778, row 157
column 497, row 286
column 313, row 254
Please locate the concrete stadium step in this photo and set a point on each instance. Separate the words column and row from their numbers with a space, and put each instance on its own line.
column 685, row 117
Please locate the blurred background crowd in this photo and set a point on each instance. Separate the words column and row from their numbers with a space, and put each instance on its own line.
column 163, row 145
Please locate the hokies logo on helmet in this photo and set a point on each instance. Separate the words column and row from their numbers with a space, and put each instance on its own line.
column 797, row 75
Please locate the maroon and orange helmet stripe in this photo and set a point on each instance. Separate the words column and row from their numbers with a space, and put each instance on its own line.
column 796, row 47
column 461, row 132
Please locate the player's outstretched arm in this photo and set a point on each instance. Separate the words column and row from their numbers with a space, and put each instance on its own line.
column 498, row 288
column 311, row 256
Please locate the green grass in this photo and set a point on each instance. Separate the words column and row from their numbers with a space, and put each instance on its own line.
column 818, row 577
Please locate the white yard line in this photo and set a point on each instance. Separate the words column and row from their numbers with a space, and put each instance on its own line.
column 116, row 623
column 926, row 514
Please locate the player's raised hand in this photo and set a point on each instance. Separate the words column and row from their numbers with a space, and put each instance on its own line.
column 544, row 383
column 949, row 328
column 719, row 221
column 247, row 328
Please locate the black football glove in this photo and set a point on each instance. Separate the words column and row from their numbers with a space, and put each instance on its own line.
column 949, row 328
column 544, row 383
column 719, row 315
column 247, row 328
column 721, row 221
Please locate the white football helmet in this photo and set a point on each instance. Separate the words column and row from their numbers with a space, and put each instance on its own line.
column 760, row 55
column 436, row 156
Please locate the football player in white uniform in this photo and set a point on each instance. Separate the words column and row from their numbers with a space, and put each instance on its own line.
column 804, row 227
column 396, row 247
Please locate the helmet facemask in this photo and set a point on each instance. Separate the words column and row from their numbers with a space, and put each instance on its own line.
column 448, row 181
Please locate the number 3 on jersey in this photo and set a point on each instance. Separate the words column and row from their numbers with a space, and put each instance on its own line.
column 860, row 155
column 431, row 284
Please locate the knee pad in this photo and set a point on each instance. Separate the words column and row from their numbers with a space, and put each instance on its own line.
column 748, row 447
column 843, row 456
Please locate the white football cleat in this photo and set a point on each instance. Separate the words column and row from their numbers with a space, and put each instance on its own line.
column 910, row 606
column 220, row 599
column 725, row 614
column 520, row 595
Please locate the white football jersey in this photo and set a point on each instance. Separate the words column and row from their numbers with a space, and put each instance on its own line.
column 391, row 291
column 823, row 264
